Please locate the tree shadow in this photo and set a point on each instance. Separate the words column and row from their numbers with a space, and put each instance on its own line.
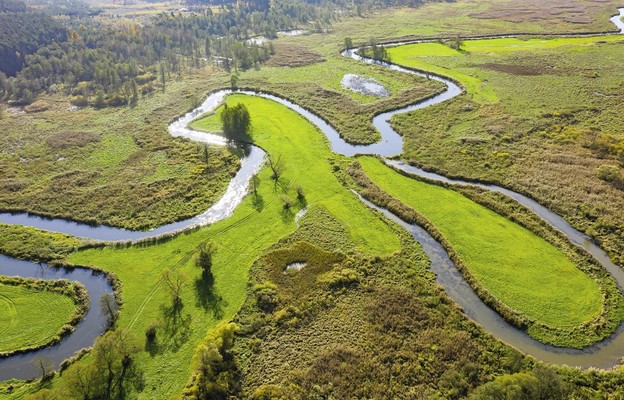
column 152, row 347
column 303, row 202
column 287, row 214
column 177, row 326
column 206, row 296
column 258, row 202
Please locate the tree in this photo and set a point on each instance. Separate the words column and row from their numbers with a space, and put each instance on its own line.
column 204, row 258
column 100, row 102
column 45, row 366
column 83, row 381
column 236, row 122
column 109, row 307
column 234, row 81
column 457, row 43
column 277, row 166
column 175, row 282
column 215, row 370
column 162, row 76
column 254, row 183
column 113, row 358
column 348, row 43
column 134, row 99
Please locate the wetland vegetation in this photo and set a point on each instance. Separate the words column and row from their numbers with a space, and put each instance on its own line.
column 214, row 312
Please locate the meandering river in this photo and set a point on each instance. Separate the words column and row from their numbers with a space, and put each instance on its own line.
column 602, row 355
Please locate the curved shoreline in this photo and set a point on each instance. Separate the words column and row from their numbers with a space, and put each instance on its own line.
column 602, row 355
column 79, row 298
column 92, row 325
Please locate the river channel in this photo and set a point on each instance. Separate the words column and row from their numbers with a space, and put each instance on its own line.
column 601, row 355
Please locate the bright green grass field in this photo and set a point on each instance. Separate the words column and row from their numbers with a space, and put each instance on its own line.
column 21, row 311
column 519, row 268
column 240, row 239
column 420, row 56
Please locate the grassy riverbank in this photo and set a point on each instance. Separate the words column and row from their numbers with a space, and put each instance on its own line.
column 256, row 224
column 393, row 332
column 518, row 268
column 36, row 313
column 553, row 134
column 114, row 166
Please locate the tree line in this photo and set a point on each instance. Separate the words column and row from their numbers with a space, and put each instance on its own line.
column 112, row 63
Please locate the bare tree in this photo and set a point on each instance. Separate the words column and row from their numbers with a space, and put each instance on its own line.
column 109, row 307
column 45, row 366
column 175, row 281
column 277, row 166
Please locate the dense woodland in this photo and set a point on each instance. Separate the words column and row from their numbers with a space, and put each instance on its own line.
column 109, row 62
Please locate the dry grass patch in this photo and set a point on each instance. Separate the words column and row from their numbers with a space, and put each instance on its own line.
column 290, row 55
column 517, row 11
column 63, row 140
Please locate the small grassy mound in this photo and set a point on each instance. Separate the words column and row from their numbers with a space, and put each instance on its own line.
column 519, row 268
column 21, row 310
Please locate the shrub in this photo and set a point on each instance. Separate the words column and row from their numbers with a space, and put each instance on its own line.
column 150, row 332
column 611, row 174
column 287, row 201
column 266, row 296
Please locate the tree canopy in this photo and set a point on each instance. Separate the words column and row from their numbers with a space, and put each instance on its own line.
column 236, row 123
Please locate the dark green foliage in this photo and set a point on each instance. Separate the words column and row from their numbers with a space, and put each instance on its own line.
column 376, row 51
column 236, row 123
column 106, row 57
column 204, row 258
column 22, row 33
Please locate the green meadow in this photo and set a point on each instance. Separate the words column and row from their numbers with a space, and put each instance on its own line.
column 519, row 268
column 256, row 224
column 30, row 317
column 431, row 57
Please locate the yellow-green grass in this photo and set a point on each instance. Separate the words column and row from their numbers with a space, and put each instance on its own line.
column 519, row 268
column 423, row 56
column 255, row 225
column 31, row 318
column 209, row 123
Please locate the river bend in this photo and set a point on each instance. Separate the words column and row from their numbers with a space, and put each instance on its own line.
column 601, row 355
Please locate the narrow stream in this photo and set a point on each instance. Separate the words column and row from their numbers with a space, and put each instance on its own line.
column 617, row 20
column 602, row 355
